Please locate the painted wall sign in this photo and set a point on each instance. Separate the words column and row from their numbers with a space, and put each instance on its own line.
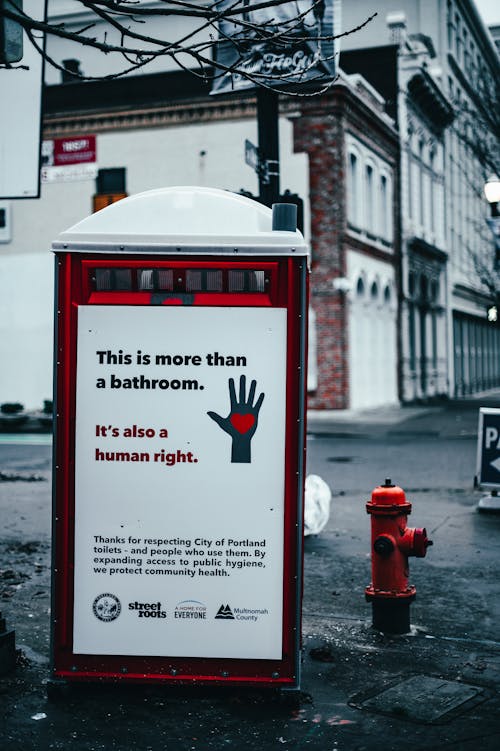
column 179, row 481
column 488, row 447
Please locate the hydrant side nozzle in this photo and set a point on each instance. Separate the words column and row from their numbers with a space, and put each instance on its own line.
column 421, row 542
column 384, row 545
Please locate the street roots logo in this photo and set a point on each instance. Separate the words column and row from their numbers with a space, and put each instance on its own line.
column 106, row 607
column 147, row 609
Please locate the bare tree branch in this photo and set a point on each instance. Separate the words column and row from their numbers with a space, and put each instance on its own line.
column 197, row 47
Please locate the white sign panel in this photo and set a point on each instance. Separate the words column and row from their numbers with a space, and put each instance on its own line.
column 179, row 481
column 20, row 124
column 72, row 173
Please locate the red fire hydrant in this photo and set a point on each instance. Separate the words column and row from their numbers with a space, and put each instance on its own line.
column 392, row 542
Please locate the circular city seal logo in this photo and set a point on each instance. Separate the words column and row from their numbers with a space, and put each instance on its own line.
column 106, row 607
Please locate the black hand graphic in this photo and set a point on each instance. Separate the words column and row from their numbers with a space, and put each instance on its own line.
column 241, row 422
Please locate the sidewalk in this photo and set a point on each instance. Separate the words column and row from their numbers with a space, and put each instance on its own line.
column 454, row 416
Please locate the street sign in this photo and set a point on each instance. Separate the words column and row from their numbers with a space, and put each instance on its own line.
column 20, row 124
column 488, row 448
column 265, row 168
column 252, row 155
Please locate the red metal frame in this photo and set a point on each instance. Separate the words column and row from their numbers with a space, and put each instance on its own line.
column 286, row 290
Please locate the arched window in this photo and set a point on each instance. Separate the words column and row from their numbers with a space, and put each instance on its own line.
column 421, row 196
column 432, row 188
column 451, row 28
column 411, row 336
column 353, row 191
column 424, row 289
column 360, row 288
column 369, row 191
column 458, row 38
column 411, row 284
column 383, row 205
column 370, row 212
column 385, row 208
column 374, row 291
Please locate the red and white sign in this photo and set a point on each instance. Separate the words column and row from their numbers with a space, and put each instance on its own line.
column 69, row 158
column 179, row 506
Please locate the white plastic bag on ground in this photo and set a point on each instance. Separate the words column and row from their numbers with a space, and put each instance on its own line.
column 316, row 505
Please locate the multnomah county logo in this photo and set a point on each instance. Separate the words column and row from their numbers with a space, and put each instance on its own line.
column 107, row 607
column 225, row 613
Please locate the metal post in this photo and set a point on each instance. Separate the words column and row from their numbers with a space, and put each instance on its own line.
column 267, row 124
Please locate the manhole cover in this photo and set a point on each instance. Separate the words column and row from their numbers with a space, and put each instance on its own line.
column 422, row 699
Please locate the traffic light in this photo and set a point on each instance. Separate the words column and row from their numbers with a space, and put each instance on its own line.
column 11, row 33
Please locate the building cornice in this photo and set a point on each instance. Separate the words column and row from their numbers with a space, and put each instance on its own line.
column 340, row 101
column 425, row 249
column 351, row 242
column 472, row 295
column 430, row 100
column 161, row 115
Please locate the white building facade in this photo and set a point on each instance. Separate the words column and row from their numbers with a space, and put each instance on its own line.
column 447, row 112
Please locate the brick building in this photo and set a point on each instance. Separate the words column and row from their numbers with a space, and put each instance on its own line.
column 353, row 155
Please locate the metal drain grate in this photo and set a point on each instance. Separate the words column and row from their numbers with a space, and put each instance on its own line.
column 422, row 699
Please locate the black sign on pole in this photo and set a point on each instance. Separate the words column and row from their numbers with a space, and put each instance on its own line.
column 488, row 448
column 251, row 50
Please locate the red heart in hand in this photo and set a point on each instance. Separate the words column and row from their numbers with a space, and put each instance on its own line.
column 242, row 423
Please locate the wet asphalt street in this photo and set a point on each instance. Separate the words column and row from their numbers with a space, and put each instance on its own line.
column 435, row 688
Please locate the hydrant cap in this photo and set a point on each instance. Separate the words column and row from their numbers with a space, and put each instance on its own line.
column 388, row 495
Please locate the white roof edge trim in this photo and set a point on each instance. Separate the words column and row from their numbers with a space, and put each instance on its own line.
column 178, row 249
column 182, row 216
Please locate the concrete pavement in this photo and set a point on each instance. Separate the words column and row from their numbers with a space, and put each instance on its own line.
column 435, row 688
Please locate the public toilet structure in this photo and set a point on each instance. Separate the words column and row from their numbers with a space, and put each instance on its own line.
column 180, row 363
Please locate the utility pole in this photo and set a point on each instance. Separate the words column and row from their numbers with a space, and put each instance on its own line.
column 267, row 126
